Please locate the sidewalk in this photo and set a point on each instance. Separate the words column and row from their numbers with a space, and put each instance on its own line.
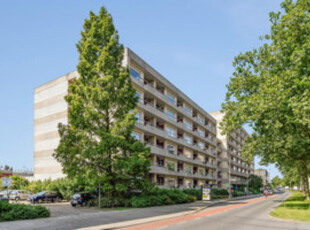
column 106, row 218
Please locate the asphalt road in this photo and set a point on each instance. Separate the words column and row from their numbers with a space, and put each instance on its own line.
column 253, row 216
column 65, row 217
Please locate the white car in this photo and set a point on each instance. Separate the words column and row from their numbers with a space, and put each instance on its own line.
column 5, row 193
column 20, row 195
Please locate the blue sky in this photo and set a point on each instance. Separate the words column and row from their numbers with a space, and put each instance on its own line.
column 192, row 43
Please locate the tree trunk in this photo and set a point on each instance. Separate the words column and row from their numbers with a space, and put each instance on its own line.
column 305, row 178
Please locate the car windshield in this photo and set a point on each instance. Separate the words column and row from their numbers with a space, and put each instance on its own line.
column 40, row 193
column 75, row 196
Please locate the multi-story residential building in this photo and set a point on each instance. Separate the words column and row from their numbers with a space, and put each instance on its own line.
column 232, row 167
column 182, row 136
column 264, row 174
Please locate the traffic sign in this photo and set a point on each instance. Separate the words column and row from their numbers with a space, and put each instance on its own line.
column 6, row 181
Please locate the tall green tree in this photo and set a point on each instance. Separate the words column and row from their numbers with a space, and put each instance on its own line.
column 255, row 182
column 269, row 91
column 96, row 146
column 276, row 181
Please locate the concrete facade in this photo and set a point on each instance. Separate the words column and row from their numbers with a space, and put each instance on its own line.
column 232, row 167
column 264, row 174
column 182, row 136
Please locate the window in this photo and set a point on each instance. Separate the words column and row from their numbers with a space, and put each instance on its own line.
column 201, row 145
column 171, row 166
column 138, row 117
column 170, row 149
column 135, row 74
column 136, row 135
column 201, row 132
column 170, row 98
column 188, row 139
column 188, row 110
column 201, row 119
column 188, row 124
column 170, row 114
column 171, row 132
column 189, row 169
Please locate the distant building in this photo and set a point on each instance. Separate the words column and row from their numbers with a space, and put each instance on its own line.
column 5, row 173
column 232, row 167
column 264, row 174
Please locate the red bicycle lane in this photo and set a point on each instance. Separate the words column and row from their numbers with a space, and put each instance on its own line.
column 176, row 220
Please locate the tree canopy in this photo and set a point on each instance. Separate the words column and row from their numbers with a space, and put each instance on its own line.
column 96, row 145
column 270, row 91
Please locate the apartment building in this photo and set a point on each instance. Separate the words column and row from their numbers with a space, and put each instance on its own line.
column 232, row 167
column 264, row 174
column 181, row 135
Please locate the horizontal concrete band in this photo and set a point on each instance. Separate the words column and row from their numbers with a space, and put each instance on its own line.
column 44, row 153
column 57, row 81
column 56, row 169
column 51, row 117
column 45, row 136
column 49, row 101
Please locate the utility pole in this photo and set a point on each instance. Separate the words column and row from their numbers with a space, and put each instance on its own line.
column 229, row 181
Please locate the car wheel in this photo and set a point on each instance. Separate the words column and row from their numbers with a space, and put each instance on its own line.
column 17, row 198
column 73, row 205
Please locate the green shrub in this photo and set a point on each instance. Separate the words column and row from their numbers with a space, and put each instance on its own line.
column 193, row 192
column 219, row 192
column 237, row 193
column 10, row 212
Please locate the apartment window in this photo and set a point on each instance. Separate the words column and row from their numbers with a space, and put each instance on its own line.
column 188, row 110
column 160, row 180
column 170, row 149
column 138, row 117
column 189, row 169
column 201, row 119
column 201, row 132
column 170, row 98
column 136, row 135
column 188, row 124
column 201, row 145
column 171, row 132
column 188, row 139
column 135, row 74
column 170, row 114
column 171, row 166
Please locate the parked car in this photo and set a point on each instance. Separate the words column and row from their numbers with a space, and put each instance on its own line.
column 82, row 198
column 19, row 195
column 46, row 196
column 5, row 193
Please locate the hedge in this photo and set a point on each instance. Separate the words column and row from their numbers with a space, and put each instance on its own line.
column 10, row 212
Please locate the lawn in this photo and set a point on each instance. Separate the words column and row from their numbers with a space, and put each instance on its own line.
column 296, row 207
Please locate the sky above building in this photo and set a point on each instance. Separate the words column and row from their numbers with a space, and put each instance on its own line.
column 191, row 43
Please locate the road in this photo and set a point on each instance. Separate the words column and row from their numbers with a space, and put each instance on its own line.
column 237, row 216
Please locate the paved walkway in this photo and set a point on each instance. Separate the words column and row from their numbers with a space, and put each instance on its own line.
column 68, row 218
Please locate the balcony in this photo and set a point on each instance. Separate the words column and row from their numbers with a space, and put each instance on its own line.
column 160, row 95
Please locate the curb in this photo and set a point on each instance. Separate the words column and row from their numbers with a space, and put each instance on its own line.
column 131, row 223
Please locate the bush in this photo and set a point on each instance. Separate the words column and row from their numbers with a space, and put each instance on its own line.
column 219, row 192
column 237, row 193
column 10, row 212
column 193, row 192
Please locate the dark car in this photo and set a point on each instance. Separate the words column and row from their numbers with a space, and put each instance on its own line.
column 46, row 196
column 82, row 198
